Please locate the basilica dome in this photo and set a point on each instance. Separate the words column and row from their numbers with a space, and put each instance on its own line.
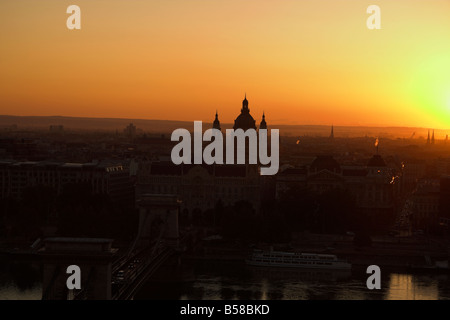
column 244, row 121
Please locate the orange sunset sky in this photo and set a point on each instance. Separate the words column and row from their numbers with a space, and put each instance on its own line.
column 302, row 61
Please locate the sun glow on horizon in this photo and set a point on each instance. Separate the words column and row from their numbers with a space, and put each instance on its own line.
column 302, row 62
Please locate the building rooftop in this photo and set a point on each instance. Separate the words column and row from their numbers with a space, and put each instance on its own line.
column 376, row 161
column 53, row 164
column 354, row 172
column 294, row 171
column 78, row 240
column 235, row 170
column 325, row 162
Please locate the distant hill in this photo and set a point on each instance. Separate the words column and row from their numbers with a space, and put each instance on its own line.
column 167, row 126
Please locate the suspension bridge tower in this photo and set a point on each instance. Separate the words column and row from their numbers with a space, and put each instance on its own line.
column 159, row 210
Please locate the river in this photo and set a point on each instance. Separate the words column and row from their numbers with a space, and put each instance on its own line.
column 213, row 281
column 21, row 280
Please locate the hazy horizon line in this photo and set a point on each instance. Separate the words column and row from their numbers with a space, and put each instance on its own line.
column 226, row 123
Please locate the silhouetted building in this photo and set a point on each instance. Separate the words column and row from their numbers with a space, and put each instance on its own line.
column 413, row 170
column 113, row 180
column 374, row 186
column 56, row 128
column 216, row 123
column 263, row 124
column 200, row 187
column 425, row 204
column 290, row 178
column 130, row 131
column 244, row 121
column 324, row 174
column 445, row 196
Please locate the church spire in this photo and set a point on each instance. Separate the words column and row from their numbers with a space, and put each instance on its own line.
column 332, row 132
column 245, row 105
column 263, row 124
column 432, row 138
column 428, row 139
column 216, row 123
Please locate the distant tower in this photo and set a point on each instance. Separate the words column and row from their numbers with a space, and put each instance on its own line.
column 130, row 131
column 263, row 124
column 432, row 138
column 216, row 123
column 428, row 139
column 446, row 138
column 332, row 132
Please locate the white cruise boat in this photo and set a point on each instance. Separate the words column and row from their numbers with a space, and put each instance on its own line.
column 296, row 260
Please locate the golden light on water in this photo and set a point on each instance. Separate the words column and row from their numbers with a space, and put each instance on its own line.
column 406, row 287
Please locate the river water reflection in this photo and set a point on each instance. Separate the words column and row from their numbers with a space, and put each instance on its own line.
column 237, row 281
column 22, row 280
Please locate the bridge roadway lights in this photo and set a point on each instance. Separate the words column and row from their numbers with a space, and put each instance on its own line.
column 92, row 255
column 158, row 205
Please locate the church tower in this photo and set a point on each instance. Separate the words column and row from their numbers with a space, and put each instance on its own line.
column 263, row 124
column 216, row 123
column 332, row 132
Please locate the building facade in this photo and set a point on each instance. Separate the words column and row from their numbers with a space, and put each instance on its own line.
column 111, row 179
column 374, row 186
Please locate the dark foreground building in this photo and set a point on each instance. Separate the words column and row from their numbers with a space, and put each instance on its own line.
column 110, row 179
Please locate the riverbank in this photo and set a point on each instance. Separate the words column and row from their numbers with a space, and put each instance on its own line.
column 388, row 252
